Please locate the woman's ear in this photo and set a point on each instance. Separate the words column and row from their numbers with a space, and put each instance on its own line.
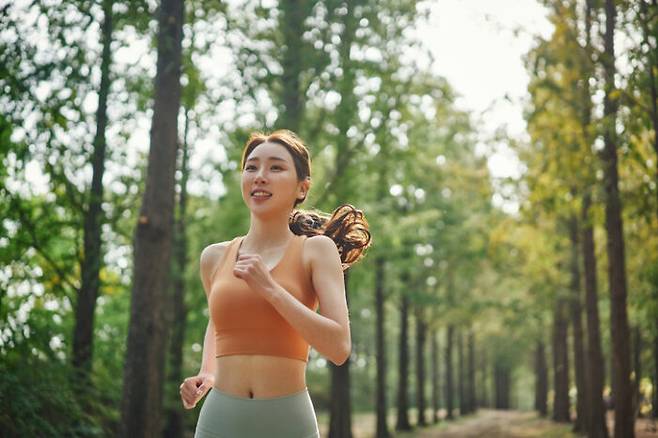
column 306, row 185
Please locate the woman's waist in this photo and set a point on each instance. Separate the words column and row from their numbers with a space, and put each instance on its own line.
column 259, row 376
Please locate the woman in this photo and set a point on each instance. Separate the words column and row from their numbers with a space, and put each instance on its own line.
column 263, row 290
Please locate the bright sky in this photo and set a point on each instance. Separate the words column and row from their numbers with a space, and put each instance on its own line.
column 477, row 50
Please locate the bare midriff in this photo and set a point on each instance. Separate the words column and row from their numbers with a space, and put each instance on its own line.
column 259, row 376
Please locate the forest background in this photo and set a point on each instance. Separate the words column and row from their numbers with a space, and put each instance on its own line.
column 460, row 302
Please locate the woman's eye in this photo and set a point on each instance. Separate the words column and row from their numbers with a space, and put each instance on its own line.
column 253, row 167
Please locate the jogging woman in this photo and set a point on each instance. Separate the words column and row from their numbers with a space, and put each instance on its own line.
column 264, row 290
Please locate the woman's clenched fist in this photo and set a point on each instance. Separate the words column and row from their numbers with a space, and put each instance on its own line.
column 194, row 388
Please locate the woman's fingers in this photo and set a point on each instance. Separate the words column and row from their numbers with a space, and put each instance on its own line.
column 190, row 392
column 187, row 390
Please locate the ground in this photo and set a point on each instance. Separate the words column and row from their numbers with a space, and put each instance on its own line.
column 485, row 423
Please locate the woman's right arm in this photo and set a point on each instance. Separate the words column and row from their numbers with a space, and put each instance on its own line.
column 210, row 257
column 194, row 388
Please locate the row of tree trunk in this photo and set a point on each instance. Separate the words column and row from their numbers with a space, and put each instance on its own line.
column 587, row 353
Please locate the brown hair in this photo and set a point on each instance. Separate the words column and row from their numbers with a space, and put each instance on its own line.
column 346, row 226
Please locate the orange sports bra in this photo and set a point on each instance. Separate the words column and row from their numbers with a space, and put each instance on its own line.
column 245, row 322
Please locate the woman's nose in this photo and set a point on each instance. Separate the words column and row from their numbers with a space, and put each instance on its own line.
column 260, row 175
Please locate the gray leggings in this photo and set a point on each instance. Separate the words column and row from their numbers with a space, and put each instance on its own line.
column 224, row 415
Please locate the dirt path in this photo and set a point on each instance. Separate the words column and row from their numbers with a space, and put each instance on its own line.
column 513, row 424
column 486, row 423
column 495, row 424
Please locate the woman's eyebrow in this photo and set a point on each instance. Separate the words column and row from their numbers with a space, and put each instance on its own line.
column 271, row 158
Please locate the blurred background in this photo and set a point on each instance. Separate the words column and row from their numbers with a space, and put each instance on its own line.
column 504, row 153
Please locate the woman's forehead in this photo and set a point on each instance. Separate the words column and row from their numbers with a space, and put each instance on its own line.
column 270, row 150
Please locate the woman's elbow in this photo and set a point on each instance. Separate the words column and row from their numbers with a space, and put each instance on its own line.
column 345, row 354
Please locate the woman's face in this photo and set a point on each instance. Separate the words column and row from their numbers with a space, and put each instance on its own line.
column 270, row 168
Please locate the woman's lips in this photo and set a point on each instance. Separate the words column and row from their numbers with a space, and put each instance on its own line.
column 261, row 194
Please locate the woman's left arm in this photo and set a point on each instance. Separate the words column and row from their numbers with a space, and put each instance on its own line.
column 328, row 332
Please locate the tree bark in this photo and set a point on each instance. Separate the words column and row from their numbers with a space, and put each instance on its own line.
column 143, row 370
column 502, row 384
column 402, row 422
column 340, row 409
column 461, row 375
column 597, row 424
column 624, row 420
column 448, row 366
column 382, row 411
column 560, row 363
column 420, row 364
column 293, row 15
column 580, row 423
column 83, row 332
column 541, row 379
column 470, row 382
column 175, row 426
column 436, row 387
column 484, row 380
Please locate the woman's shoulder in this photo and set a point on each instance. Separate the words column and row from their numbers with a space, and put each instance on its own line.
column 319, row 247
column 212, row 254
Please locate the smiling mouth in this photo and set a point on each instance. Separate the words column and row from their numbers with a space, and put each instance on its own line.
column 260, row 194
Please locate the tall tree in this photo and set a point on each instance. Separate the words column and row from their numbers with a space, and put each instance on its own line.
column 143, row 371
column 461, row 371
column 450, row 394
column 83, row 332
column 619, row 329
column 402, row 422
column 436, row 386
column 470, row 376
column 541, row 379
column 381, row 429
column 340, row 411
column 421, row 335
column 560, row 362
column 597, row 427
column 580, row 423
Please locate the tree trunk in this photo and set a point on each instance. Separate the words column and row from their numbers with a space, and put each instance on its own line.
column 484, row 380
column 597, row 424
column 502, row 384
column 436, row 387
column 292, row 17
column 340, row 409
column 83, row 332
column 560, row 363
column 541, row 379
column 175, row 420
column 382, row 426
column 470, row 391
column 421, row 333
column 580, row 423
column 624, row 420
column 448, row 367
column 143, row 371
column 461, row 368
column 403, row 364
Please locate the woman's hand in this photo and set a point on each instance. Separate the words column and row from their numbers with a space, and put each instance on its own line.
column 194, row 388
column 250, row 268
